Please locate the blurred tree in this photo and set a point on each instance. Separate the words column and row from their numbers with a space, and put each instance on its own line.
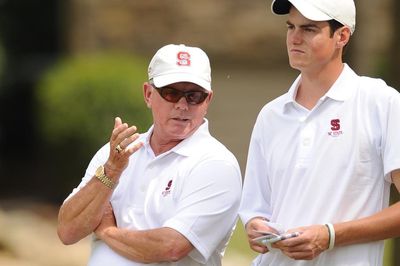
column 80, row 96
column 78, row 100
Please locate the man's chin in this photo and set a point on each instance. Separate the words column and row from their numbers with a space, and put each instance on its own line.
column 181, row 133
column 296, row 65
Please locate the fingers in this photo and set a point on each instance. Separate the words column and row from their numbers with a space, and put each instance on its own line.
column 134, row 148
column 308, row 245
column 129, row 138
column 300, row 255
column 294, row 248
column 123, row 135
column 121, row 148
column 305, row 246
column 259, row 248
column 253, row 227
column 118, row 130
column 117, row 122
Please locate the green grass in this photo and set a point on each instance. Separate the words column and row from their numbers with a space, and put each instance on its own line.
column 238, row 245
column 388, row 256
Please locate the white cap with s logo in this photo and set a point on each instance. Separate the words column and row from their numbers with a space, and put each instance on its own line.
column 179, row 63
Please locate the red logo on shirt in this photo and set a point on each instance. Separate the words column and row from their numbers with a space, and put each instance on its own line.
column 183, row 59
column 167, row 189
column 335, row 127
column 335, row 123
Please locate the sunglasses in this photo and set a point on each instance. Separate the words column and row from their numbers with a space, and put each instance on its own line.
column 173, row 95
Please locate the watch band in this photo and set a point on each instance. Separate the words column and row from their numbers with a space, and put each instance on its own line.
column 106, row 181
column 100, row 175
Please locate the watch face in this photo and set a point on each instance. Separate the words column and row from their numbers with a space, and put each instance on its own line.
column 100, row 170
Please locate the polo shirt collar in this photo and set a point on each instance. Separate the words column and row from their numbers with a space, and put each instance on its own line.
column 193, row 143
column 291, row 95
column 186, row 147
column 344, row 86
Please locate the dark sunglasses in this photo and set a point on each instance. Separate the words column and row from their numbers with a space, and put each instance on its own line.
column 173, row 95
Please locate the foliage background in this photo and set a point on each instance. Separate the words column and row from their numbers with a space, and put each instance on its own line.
column 79, row 98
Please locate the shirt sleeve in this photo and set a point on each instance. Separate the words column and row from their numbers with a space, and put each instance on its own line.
column 391, row 140
column 256, row 190
column 208, row 206
column 98, row 159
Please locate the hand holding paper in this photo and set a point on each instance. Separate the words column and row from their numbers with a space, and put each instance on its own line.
column 270, row 237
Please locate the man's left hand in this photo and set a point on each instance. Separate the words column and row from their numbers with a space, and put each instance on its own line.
column 311, row 242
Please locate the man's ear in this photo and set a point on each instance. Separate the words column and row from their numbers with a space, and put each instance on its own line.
column 147, row 92
column 210, row 96
column 343, row 36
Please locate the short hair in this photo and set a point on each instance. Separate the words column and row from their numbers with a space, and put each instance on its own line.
column 334, row 25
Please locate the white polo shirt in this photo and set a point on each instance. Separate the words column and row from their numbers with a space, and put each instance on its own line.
column 194, row 188
column 328, row 164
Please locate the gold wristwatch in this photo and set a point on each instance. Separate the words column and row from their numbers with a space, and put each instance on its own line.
column 100, row 175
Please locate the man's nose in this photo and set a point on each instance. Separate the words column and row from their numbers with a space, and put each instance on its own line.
column 182, row 104
column 295, row 36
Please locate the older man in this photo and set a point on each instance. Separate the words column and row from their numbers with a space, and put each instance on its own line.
column 166, row 197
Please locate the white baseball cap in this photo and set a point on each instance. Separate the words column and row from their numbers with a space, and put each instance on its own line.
column 343, row 11
column 179, row 63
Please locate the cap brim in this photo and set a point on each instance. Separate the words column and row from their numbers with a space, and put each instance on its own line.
column 164, row 80
column 281, row 7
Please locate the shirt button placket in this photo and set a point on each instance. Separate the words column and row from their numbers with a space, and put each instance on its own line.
column 305, row 142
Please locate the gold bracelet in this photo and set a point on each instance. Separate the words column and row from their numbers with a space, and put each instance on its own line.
column 106, row 181
column 100, row 175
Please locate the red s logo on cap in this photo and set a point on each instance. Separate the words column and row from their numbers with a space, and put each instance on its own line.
column 183, row 59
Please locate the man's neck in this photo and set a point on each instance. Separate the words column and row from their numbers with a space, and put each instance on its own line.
column 160, row 146
column 315, row 84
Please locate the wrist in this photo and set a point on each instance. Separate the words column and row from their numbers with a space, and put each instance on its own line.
column 331, row 236
column 101, row 175
column 104, row 233
column 111, row 172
